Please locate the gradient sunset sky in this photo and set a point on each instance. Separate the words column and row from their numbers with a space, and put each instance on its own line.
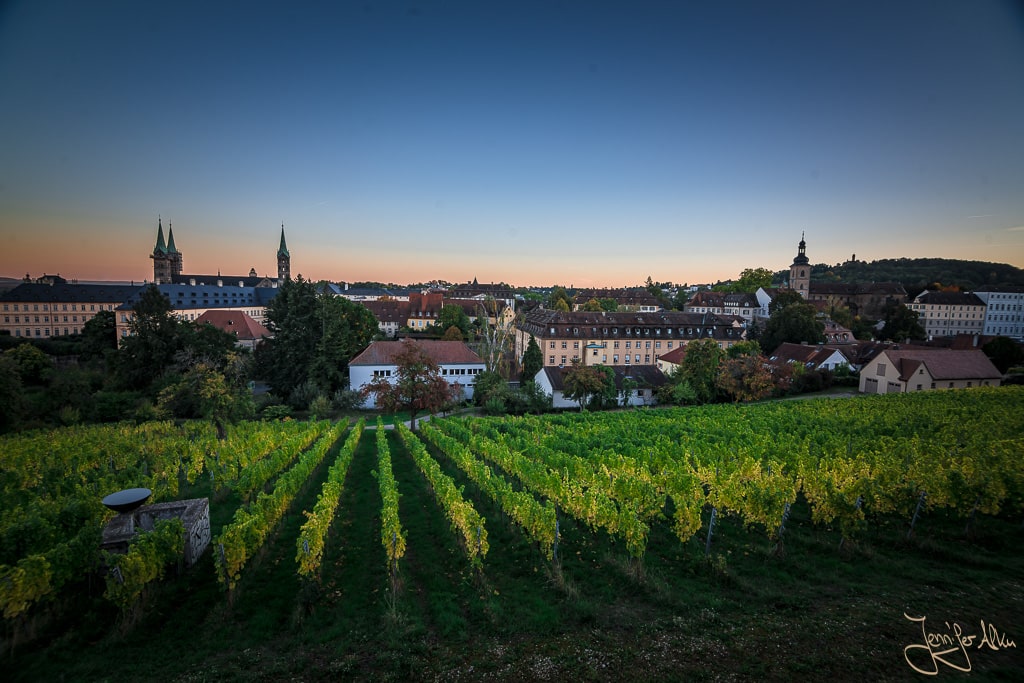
column 582, row 143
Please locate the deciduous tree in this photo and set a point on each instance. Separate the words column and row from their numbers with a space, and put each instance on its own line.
column 417, row 385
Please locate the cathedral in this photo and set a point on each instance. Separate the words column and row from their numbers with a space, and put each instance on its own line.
column 167, row 265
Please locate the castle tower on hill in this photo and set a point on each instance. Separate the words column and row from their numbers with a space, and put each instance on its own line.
column 800, row 271
column 167, row 260
column 284, row 260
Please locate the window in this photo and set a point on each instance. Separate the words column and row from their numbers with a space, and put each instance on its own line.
column 615, row 345
column 615, row 358
column 575, row 345
column 551, row 360
column 552, row 345
column 638, row 358
column 880, row 371
column 564, row 344
column 563, row 360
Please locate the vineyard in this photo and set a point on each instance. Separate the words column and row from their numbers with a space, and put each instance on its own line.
column 568, row 546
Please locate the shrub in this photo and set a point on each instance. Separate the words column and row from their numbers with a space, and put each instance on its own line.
column 320, row 407
column 276, row 412
column 348, row 399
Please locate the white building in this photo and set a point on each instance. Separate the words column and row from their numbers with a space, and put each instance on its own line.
column 1004, row 311
column 458, row 363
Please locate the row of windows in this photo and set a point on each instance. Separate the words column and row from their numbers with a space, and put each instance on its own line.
column 46, row 319
column 45, row 332
column 46, row 307
column 646, row 331
column 460, row 371
column 615, row 345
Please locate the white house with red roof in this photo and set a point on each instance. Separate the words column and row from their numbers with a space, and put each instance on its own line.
column 248, row 332
column 458, row 363
column 906, row 370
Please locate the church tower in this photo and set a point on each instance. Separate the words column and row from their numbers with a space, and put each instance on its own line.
column 167, row 260
column 800, row 271
column 284, row 260
column 161, row 257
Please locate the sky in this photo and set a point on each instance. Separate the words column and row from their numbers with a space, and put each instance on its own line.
column 579, row 143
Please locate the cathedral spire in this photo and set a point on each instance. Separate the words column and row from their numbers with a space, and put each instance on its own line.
column 161, row 246
column 284, row 260
column 170, row 239
column 283, row 249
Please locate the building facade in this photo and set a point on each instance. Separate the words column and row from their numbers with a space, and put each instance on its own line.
column 458, row 363
column 907, row 370
column 947, row 314
column 1004, row 311
column 42, row 311
column 619, row 339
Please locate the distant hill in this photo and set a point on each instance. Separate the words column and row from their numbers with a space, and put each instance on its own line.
column 916, row 274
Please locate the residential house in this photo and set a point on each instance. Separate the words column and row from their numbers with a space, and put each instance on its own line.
column 906, row 370
column 247, row 331
column 459, row 364
column 647, row 380
column 810, row 356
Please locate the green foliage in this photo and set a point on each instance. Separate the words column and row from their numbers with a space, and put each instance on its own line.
column 590, row 385
column 533, row 360
column 745, row 378
column 487, row 386
column 99, row 337
column 917, row 274
column 452, row 315
column 276, row 412
column 901, row 324
column 145, row 562
column 320, row 407
column 786, row 297
column 559, row 299
column 315, row 335
column 749, row 281
column 1004, row 353
column 10, row 392
column 203, row 393
column 796, row 323
column 700, row 368
column 347, row 399
column 744, row 348
column 34, row 366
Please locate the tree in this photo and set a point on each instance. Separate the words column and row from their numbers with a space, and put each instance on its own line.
column 744, row 348
column 796, row 323
column 1004, row 353
column 489, row 385
column 558, row 294
column 785, row 298
column 33, row 365
column 533, row 360
column 588, row 385
column 417, row 385
column 10, row 391
column 453, row 333
column 593, row 305
column 749, row 281
column 99, row 337
column 901, row 323
column 204, row 393
column 155, row 337
column 745, row 378
column 494, row 343
column 700, row 368
column 453, row 315
column 629, row 387
column 315, row 335
column 608, row 304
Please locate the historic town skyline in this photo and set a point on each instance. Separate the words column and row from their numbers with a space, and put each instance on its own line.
column 525, row 143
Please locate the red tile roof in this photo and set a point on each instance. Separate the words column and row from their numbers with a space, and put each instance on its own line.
column 237, row 322
column 441, row 352
column 944, row 363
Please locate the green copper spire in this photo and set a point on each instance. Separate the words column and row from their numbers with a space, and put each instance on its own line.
column 283, row 249
column 161, row 247
column 170, row 240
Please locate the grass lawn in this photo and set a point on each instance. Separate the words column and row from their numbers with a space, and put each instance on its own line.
column 813, row 611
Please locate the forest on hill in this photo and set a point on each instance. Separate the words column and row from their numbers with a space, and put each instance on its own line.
column 917, row 274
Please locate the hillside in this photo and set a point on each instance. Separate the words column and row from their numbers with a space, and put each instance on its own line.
column 918, row 273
